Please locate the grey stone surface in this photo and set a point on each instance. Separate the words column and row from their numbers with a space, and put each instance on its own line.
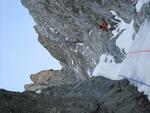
column 96, row 95
column 118, row 96
column 29, row 102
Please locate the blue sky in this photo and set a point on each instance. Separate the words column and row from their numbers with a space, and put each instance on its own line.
column 20, row 52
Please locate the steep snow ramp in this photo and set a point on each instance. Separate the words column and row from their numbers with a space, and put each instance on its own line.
column 137, row 63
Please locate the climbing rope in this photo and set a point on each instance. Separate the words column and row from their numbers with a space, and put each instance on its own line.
column 135, row 80
column 140, row 51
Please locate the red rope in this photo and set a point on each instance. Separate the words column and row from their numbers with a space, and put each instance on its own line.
column 140, row 51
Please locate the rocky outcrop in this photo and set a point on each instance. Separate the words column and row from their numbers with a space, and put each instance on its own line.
column 69, row 30
column 29, row 102
column 96, row 95
column 50, row 77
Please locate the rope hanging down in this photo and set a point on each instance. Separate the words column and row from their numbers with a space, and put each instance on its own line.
column 140, row 51
column 135, row 80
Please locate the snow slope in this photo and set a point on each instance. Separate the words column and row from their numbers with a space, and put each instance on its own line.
column 137, row 63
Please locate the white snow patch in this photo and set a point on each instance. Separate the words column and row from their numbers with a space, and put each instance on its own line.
column 90, row 32
column 76, row 69
column 87, row 47
column 107, row 67
column 72, row 62
column 79, row 44
column 38, row 91
column 66, row 38
column 83, row 52
column 93, row 61
column 126, row 38
column 75, row 51
column 140, row 3
column 89, row 73
column 136, row 65
column 52, row 29
column 47, row 36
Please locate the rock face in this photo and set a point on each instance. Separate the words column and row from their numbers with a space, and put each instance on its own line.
column 96, row 95
column 69, row 30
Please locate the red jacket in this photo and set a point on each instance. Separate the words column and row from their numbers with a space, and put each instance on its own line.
column 104, row 26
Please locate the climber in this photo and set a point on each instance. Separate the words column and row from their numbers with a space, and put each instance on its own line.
column 104, row 25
